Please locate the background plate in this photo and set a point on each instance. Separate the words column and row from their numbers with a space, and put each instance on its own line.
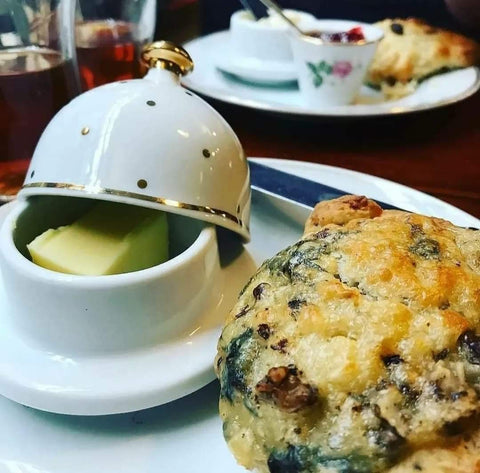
column 209, row 81
column 184, row 436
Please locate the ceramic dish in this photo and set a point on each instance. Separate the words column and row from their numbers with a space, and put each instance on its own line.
column 184, row 436
column 103, row 344
column 61, row 357
column 209, row 81
column 331, row 73
column 260, row 51
column 266, row 38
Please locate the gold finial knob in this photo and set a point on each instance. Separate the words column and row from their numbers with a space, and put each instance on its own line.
column 167, row 55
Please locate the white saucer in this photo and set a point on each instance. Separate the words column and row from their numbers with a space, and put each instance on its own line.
column 209, row 81
column 252, row 69
column 184, row 436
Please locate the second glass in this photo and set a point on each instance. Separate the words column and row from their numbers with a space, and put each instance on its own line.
column 109, row 36
column 37, row 78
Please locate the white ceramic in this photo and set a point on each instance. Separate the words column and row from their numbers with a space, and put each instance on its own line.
column 257, row 71
column 266, row 39
column 207, row 80
column 184, row 436
column 92, row 315
column 147, row 142
column 260, row 51
column 332, row 73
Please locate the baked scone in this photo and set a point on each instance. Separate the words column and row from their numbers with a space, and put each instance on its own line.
column 412, row 51
column 355, row 350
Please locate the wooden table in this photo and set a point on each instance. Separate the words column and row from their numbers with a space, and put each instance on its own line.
column 437, row 152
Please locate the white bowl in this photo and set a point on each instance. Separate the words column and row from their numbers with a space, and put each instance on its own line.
column 332, row 73
column 73, row 315
column 265, row 39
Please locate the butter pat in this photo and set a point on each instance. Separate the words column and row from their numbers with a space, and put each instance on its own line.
column 110, row 239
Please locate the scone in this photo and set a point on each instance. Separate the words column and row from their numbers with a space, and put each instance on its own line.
column 355, row 350
column 412, row 51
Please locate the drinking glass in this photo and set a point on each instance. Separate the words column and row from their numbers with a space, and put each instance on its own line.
column 109, row 36
column 37, row 77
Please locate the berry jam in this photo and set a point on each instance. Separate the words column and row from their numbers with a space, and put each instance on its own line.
column 353, row 35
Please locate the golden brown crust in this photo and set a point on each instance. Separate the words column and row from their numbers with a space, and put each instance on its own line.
column 412, row 50
column 341, row 211
column 355, row 348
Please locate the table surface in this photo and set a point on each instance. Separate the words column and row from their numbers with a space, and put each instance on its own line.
column 437, row 152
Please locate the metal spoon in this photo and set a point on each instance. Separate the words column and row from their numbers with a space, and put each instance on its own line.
column 274, row 6
column 247, row 6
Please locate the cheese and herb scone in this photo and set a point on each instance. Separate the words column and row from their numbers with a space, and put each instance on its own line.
column 412, row 51
column 357, row 349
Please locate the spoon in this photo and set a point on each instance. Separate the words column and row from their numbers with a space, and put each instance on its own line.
column 247, row 6
column 274, row 6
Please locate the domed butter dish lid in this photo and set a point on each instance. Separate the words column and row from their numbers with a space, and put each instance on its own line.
column 147, row 142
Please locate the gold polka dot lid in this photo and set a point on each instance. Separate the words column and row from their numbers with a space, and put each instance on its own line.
column 148, row 142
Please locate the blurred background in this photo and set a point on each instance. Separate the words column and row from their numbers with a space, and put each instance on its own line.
column 37, row 66
column 182, row 20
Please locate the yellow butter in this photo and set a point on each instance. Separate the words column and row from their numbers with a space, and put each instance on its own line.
column 110, row 239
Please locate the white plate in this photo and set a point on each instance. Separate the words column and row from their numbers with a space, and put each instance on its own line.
column 184, row 436
column 209, row 81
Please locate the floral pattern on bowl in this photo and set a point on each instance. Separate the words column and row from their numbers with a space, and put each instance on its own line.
column 331, row 73
column 340, row 69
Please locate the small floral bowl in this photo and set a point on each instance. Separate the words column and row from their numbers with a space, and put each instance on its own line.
column 331, row 73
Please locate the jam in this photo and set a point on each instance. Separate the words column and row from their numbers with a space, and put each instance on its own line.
column 353, row 35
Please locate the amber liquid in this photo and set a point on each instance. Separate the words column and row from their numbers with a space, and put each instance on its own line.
column 34, row 84
column 106, row 52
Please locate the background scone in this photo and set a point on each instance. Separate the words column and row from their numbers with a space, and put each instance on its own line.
column 412, row 51
column 355, row 349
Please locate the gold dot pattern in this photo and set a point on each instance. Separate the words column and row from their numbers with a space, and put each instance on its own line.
column 142, row 183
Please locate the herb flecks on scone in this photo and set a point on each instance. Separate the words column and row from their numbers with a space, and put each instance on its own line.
column 356, row 349
column 412, row 51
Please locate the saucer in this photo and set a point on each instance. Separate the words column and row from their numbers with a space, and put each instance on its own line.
column 208, row 81
column 251, row 69
column 186, row 435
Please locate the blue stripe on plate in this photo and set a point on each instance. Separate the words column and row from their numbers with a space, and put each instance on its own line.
column 296, row 188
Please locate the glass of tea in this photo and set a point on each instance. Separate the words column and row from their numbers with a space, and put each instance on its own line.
column 109, row 36
column 37, row 77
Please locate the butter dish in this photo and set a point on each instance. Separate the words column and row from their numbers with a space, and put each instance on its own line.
column 146, row 143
